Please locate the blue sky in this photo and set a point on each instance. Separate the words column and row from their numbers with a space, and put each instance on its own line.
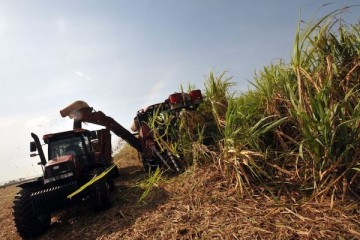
column 120, row 56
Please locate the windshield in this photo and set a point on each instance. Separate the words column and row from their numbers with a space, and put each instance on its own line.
column 68, row 146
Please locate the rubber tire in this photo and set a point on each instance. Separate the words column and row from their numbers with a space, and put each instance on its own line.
column 111, row 184
column 116, row 172
column 27, row 223
column 100, row 195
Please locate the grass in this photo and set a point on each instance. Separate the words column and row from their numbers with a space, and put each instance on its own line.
column 200, row 207
column 150, row 183
column 196, row 205
column 281, row 160
column 300, row 123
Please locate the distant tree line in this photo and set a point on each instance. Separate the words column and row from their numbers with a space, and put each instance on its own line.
column 12, row 182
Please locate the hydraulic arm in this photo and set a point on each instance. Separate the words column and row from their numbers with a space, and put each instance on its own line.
column 81, row 112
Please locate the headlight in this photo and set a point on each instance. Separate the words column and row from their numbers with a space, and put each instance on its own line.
column 61, row 176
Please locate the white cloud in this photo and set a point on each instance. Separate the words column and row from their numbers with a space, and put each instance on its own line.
column 80, row 74
column 83, row 76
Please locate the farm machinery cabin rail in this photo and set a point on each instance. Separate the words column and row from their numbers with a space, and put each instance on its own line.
column 80, row 164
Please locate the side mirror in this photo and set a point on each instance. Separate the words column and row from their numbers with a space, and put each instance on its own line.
column 32, row 147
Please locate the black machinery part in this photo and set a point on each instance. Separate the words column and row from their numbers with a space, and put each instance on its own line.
column 52, row 199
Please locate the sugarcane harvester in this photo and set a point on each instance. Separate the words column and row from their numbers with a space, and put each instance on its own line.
column 152, row 152
column 80, row 164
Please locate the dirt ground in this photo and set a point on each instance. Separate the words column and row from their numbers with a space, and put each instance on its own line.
column 195, row 205
column 7, row 226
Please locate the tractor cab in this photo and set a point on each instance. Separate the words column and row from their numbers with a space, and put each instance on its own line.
column 69, row 155
column 73, row 154
column 77, row 146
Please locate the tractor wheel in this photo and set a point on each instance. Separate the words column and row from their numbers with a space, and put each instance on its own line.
column 111, row 184
column 116, row 172
column 100, row 195
column 28, row 223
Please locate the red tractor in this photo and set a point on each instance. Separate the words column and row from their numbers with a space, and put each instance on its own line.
column 80, row 165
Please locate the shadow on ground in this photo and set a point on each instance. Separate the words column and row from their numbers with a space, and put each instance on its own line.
column 80, row 222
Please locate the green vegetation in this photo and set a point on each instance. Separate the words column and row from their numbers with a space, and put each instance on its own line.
column 297, row 129
column 148, row 184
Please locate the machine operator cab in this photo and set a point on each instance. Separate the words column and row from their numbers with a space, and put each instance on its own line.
column 73, row 154
column 69, row 155
column 76, row 146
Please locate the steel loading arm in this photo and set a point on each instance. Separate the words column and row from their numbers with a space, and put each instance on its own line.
column 81, row 112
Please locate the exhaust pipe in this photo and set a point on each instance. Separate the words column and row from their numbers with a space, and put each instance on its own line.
column 39, row 148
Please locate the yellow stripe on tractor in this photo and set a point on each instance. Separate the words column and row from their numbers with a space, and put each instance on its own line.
column 92, row 181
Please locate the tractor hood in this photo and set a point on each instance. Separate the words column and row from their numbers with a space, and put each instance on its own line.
column 59, row 160
column 61, row 168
